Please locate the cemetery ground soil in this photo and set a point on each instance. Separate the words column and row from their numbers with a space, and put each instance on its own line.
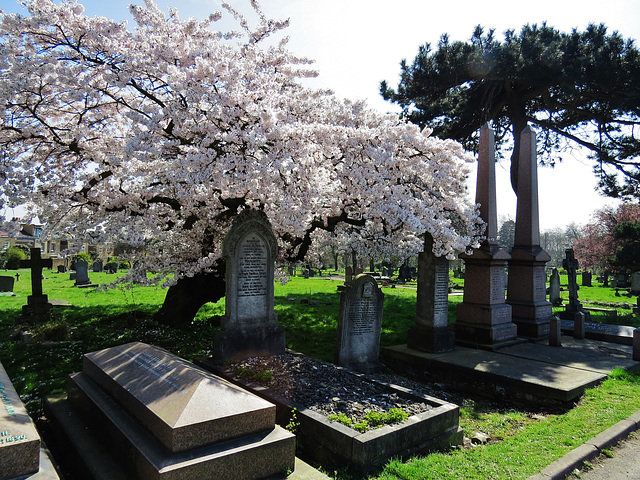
column 522, row 440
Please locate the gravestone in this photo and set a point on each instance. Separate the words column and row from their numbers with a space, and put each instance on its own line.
column 157, row 416
column 483, row 318
column 359, row 325
column 635, row 283
column 587, row 279
column 579, row 321
column 19, row 439
column 554, row 288
column 430, row 332
column 571, row 265
column 348, row 274
column 404, row 275
column 97, row 266
column 250, row 326
column 38, row 307
column 6, row 283
column 527, row 286
column 555, row 332
column 82, row 275
column 112, row 268
column 636, row 309
column 62, row 269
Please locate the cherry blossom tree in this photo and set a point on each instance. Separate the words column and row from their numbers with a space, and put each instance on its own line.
column 158, row 136
column 597, row 246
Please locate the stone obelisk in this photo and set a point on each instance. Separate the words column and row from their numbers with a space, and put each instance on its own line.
column 526, row 290
column 483, row 319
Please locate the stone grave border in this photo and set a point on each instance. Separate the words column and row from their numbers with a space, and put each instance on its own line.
column 331, row 443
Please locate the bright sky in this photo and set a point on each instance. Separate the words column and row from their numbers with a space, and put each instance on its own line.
column 358, row 43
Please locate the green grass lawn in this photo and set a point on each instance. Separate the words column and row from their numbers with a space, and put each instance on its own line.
column 524, row 440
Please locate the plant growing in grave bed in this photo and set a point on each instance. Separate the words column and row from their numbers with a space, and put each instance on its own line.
column 262, row 376
column 371, row 419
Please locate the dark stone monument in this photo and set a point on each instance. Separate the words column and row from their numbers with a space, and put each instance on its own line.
column 636, row 344
column 527, row 286
column 483, row 318
column 38, row 307
column 579, row 321
column 155, row 416
column 570, row 264
column 431, row 332
column 555, row 332
column 635, row 283
column 97, row 266
column 19, row 439
column 554, row 288
column 359, row 325
column 6, row 284
column 62, row 269
column 82, row 275
column 250, row 326
column 587, row 279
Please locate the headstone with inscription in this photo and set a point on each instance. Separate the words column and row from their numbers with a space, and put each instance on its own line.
column 19, row 439
column 554, row 288
column 527, row 281
column 359, row 325
column 38, row 308
column 483, row 318
column 82, row 274
column 250, row 326
column 431, row 332
column 6, row 283
column 153, row 413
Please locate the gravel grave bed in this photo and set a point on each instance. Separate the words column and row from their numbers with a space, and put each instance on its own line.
column 331, row 390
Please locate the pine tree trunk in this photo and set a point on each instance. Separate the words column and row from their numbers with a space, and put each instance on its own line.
column 185, row 298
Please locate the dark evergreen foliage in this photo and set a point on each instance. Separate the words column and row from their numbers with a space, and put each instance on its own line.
column 577, row 89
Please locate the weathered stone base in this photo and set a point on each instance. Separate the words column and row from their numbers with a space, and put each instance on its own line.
column 19, row 439
column 432, row 340
column 570, row 314
column 37, row 309
column 484, row 324
column 241, row 344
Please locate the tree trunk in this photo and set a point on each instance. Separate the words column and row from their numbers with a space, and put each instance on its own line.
column 185, row 298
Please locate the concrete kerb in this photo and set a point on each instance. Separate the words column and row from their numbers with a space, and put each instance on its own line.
column 562, row 467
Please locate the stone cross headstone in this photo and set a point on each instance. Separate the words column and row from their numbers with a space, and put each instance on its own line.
column 19, row 439
column 554, row 288
column 587, row 279
column 359, row 325
column 483, row 318
column 38, row 307
column 250, row 326
column 571, row 265
column 348, row 274
column 82, row 274
column 635, row 283
column 527, row 281
column 6, row 283
column 431, row 332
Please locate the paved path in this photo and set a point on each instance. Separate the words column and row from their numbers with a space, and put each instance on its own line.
column 625, row 463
